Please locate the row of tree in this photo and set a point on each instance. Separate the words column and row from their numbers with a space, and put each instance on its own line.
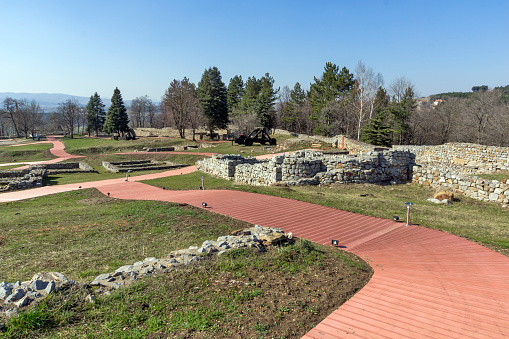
column 337, row 102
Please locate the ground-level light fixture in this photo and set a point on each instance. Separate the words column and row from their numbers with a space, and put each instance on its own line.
column 204, row 204
column 335, row 243
column 395, row 217
column 408, row 204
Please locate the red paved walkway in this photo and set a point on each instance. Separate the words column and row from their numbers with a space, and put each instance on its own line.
column 427, row 284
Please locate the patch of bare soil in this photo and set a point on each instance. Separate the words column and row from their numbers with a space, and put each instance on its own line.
column 264, row 302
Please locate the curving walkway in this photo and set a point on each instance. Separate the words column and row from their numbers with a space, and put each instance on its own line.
column 427, row 284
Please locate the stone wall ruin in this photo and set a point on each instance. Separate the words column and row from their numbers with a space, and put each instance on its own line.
column 311, row 167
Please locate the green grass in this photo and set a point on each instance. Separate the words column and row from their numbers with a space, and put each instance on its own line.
column 495, row 176
column 486, row 223
column 102, row 174
column 85, row 145
column 4, row 168
column 192, row 181
column 35, row 152
column 206, row 300
column 83, row 233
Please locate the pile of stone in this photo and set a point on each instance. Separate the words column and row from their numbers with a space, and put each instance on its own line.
column 21, row 179
column 312, row 168
column 257, row 236
column 139, row 165
column 14, row 296
column 68, row 167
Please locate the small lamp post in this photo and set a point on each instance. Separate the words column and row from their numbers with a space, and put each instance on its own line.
column 408, row 204
column 202, row 185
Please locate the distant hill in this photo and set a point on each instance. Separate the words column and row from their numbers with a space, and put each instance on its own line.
column 49, row 101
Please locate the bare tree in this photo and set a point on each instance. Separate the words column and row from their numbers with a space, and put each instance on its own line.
column 10, row 110
column 366, row 86
column 29, row 116
column 179, row 104
column 151, row 113
column 482, row 107
column 281, row 106
column 68, row 115
column 399, row 86
column 25, row 116
column 141, row 109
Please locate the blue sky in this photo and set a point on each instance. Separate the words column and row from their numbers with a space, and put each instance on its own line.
column 80, row 47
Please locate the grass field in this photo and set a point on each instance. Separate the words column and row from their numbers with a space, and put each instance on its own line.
column 279, row 293
column 85, row 145
column 35, row 152
column 495, row 176
column 102, row 174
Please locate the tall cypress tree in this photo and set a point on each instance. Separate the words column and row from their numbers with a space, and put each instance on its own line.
column 213, row 98
column 117, row 120
column 95, row 114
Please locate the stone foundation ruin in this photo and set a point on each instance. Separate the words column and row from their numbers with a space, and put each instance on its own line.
column 32, row 177
column 312, row 168
column 139, row 165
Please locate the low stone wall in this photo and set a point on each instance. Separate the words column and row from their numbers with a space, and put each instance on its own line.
column 69, row 167
column 138, row 165
column 21, row 179
column 479, row 158
column 310, row 167
column 440, row 177
column 223, row 165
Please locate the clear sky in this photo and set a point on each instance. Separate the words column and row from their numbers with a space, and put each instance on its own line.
column 80, row 47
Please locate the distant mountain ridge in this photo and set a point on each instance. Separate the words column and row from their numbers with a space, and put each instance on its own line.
column 49, row 101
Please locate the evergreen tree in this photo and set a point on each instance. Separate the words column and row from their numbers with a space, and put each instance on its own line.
column 95, row 114
column 117, row 120
column 259, row 99
column 294, row 106
column 333, row 85
column 235, row 93
column 400, row 112
column 378, row 131
column 213, row 98
column 267, row 100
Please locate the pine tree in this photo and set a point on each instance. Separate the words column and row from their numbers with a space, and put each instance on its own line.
column 213, row 97
column 95, row 114
column 377, row 132
column 333, row 85
column 400, row 112
column 235, row 93
column 117, row 120
column 294, row 105
column 259, row 99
